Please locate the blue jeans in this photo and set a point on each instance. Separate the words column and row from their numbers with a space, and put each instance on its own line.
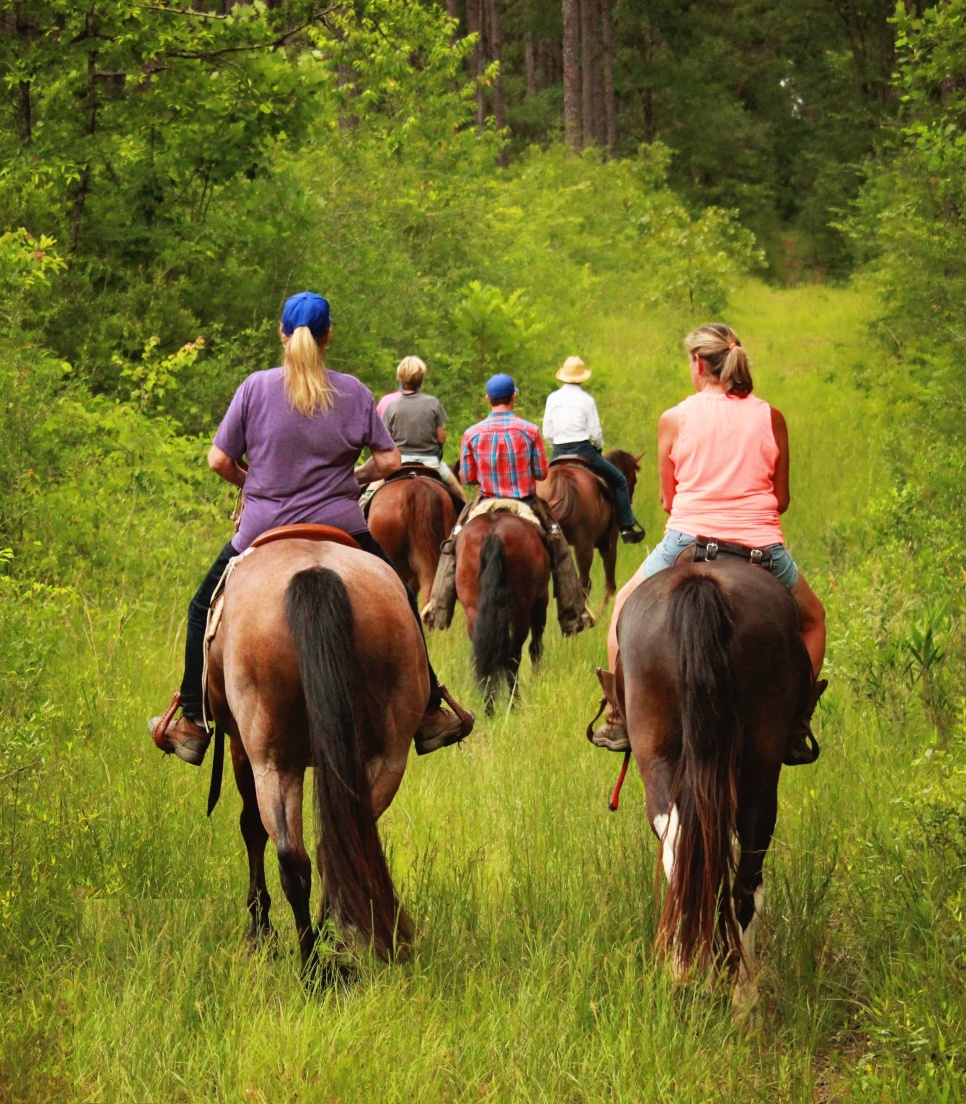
column 606, row 470
column 665, row 554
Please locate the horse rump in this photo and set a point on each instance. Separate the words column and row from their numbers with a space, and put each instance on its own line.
column 357, row 882
column 698, row 918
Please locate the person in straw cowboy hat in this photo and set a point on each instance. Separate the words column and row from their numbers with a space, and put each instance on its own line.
column 571, row 424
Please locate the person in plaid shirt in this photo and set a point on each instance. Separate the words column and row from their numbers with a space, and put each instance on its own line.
column 505, row 456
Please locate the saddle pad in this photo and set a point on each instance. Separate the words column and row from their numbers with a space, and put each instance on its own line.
column 506, row 505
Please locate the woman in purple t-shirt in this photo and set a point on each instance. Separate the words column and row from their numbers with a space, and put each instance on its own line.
column 302, row 428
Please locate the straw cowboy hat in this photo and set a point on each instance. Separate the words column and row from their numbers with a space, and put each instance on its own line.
column 573, row 371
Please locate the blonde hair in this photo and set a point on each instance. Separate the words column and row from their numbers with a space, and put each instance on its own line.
column 411, row 373
column 307, row 385
column 718, row 346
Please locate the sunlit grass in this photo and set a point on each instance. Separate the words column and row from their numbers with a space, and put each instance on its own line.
column 126, row 974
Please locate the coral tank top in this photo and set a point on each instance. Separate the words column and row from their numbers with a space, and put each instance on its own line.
column 724, row 464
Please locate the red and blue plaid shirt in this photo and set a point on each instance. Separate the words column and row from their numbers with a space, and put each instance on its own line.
column 504, row 455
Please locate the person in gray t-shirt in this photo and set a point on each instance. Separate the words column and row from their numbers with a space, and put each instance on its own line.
column 417, row 423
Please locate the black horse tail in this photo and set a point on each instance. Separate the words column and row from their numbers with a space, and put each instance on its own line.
column 491, row 635
column 698, row 920
column 358, row 886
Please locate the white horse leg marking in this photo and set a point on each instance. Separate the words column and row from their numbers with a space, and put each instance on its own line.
column 667, row 830
column 746, row 986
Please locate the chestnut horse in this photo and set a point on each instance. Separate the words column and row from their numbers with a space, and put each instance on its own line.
column 712, row 676
column 410, row 518
column 318, row 661
column 502, row 582
column 585, row 512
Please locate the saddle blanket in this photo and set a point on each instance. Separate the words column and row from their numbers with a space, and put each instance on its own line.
column 507, row 505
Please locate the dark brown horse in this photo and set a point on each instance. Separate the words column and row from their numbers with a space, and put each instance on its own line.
column 411, row 518
column 712, row 676
column 318, row 662
column 585, row 512
column 502, row 582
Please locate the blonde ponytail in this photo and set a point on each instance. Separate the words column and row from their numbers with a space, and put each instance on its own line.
column 307, row 384
column 718, row 346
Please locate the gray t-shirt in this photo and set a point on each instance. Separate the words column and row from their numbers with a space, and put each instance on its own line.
column 413, row 420
column 300, row 466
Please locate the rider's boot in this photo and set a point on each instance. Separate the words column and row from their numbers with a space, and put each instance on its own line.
column 802, row 747
column 572, row 613
column 611, row 735
column 186, row 738
column 440, row 728
column 438, row 611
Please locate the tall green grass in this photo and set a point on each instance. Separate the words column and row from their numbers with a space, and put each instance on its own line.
column 125, row 975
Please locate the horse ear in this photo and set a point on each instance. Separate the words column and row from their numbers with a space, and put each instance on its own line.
column 637, row 458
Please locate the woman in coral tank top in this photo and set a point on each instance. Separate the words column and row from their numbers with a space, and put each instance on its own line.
column 723, row 465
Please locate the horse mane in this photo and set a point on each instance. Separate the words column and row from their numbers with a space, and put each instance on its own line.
column 704, row 789
column 625, row 462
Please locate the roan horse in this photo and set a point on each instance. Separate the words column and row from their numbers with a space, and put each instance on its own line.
column 585, row 512
column 410, row 518
column 318, row 661
column 712, row 676
column 502, row 582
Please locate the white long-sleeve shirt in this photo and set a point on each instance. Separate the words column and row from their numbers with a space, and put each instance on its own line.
column 571, row 416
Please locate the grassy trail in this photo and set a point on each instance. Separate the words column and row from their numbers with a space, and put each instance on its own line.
column 532, row 977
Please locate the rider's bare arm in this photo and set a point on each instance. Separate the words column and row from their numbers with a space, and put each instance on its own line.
column 441, row 435
column 229, row 469
column 380, row 464
column 667, row 434
column 780, row 430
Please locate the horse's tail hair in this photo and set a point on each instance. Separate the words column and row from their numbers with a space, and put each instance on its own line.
column 698, row 920
column 491, row 635
column 358, row 886
column 563, row 494
column 426, row 523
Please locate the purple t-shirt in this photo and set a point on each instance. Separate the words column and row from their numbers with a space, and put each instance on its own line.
column 300, row 467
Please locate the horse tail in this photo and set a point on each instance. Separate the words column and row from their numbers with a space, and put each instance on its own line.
column 698, row 919
column 357, row 884
column 491, row 635
column 426, row 527
column 563, row 496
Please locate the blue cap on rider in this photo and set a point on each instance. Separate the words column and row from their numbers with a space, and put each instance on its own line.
column 306, row 309
column 501, row 386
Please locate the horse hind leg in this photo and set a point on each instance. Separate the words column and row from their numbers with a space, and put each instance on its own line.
column 255, row 837
column 280, row 798
column 538, row 623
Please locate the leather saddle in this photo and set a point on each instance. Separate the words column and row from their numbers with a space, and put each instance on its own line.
column 415, row 471
column 580, row 461
column 709, row 549
column 305, row 532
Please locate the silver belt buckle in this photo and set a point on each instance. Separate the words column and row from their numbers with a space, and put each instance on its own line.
column 756, row 556
column 711, row 550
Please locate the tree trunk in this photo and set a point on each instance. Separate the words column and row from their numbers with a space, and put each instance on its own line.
column 496, row 54
column 589, row 13
column 529, row 64
column 90, row 126
column 474, row 24
column 610, row 99
column 571, row 73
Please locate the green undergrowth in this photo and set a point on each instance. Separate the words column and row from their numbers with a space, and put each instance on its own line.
column 124, row 972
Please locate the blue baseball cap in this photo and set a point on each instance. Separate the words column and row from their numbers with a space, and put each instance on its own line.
column 501, row 386
column 306, row 309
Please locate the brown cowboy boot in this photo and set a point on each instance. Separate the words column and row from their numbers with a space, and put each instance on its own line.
column 611, row 735
column 442, row 728
column 572, row 613
column 183, row 737
column 802, row 747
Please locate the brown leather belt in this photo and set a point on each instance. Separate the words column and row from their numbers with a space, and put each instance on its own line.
column 710, row 548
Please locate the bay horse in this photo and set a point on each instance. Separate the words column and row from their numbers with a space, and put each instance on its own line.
column 410, row 518
column 711, row 678
column 318, row 661
column 502, row 582
column 585, row 512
